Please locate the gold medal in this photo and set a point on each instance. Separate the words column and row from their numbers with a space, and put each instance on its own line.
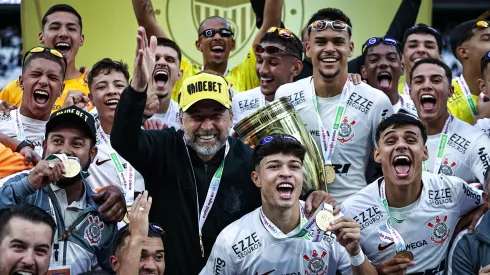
column 329, row 173
column 323, row 218
column 404, row 254
column 72, row 168
column 126, row 217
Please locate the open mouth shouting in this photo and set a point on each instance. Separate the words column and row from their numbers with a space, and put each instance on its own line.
column 402, row 165
column 428, row 102
column 207, row 136
column 265, row 81
column 161, row 77
column 41, row 97
column 218, row 50
column 285, row 190
column 112, row 103
column 23, row 272
column 384, row 80
column 63, row 47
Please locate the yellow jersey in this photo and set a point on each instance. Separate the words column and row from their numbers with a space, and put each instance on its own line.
column 459, row 106
column 13, row 94
column 240, row 78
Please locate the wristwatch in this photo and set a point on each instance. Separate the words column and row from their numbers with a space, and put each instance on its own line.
column 23, row 144
column 358, row 259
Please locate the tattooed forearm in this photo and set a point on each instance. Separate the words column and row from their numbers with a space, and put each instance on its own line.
column 148, row 7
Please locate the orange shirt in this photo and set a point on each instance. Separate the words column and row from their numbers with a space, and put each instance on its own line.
column 11, row 162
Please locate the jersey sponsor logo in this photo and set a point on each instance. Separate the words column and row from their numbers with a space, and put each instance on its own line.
column 266, row 273
column 218, row 265
column 248, row 104
column 459, row 143
column 93, row 231
column 436, row 270
column 345, row 130
column 440, row 230
column 341, row 169
column 327, row 236
column 247, row 246
column 384, row 247
column 468, row 191
column 316, row 263
column 368, row 217
column 440, row 196
column 360, row 103
column 383, row 114
column 297, row 98
column 484, row 159
column 99, row 163
column 447, row 167
column 409, row 246
column 6, row 117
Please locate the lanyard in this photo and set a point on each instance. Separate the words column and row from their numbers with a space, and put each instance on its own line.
column 395, row 236
column 441, row 147
column 329, row 149
column 19, row 128
column 305, row 226
column 406, row 89
column 467, row 95
column 166, row 118
column 261, row 100
column 125, row 177
column 211, row 195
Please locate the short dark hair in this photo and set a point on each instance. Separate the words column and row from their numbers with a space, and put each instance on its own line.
column 48, row 56
column 423, row 29
column 292, row 45
column 58, row 8
column 435, row 61
column 279, row 143
column 401, row 118
column 124, row 232
column 365, row 50
column 106, row 66
column 228, row 25
column 330, row 14
column 165, row 42
column 28, row 212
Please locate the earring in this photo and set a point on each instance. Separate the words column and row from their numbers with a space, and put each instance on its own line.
column 21, row 88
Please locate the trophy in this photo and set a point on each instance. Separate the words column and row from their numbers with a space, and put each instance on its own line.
column 280, row 117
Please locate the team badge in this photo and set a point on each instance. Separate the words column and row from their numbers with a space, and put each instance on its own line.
column 446, row 168
column 316, row 264
column 93, row 232
column 440, row 230
column 345, row 130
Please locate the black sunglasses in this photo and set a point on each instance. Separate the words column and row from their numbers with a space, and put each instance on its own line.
column 272, row 50
column 485, row 60
column 211, row 32
column 376, row 40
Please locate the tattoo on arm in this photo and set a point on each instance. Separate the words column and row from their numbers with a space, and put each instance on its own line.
column 148, row 7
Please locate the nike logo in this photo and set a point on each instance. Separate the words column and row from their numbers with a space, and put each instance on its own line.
column 99, row 163
column 268, row 272
column 383, row 247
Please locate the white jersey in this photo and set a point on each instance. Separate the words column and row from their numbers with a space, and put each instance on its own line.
column 428, row 226
column 102, row 170
column 484, row 125
column 405, row 103
column 365, row 108
column 246, row 247
column 171, row 117
column 466, row 155
column 20, row 127
column 245, row 103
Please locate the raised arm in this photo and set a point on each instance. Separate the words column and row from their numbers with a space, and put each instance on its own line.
column 272, row 17
column 145, row 15
column 405, row 17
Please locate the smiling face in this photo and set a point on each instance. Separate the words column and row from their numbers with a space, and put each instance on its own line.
column 329, row 51
column 383, row 67
column 105, row 91
column 476, row 46
column 280, row 179
column 42, row 82
column 430, row 90
column 25, row 248
column 63, row 32
column 216, row 49
column 167, row 71
column 418, row 46
column 401, row 151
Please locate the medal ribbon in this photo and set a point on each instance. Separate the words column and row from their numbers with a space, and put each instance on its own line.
column 467, row 95
column 329, row 149
column 442, row 146
column 396, row 237
column 261, row 100
column 166, row 118
column 125, row 177
column 19, row 128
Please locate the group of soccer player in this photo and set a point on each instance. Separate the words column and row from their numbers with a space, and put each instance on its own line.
column 406, row 151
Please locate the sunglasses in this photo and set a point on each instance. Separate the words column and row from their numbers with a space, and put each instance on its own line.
column 376, row 40
column 282, row 32
column 431, row 29
column 336, row 25
column 272, row 50
column 211, row 32
column 40, row 49
column 481, row 24
column 485, row 60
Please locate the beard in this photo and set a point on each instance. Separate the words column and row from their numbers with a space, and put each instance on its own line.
column 207, row 149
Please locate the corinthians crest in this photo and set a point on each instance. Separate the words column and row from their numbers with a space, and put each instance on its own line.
column 446, row 168
column 440, row 230
column 345, row 130
column 316, row 263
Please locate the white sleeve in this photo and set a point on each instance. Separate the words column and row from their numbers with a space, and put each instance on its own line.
column 343, row 263
column 234, row 108
column 219, row 261
column 484, row 125
column 468, row 198
column 479, row 157
column 280, row 92
column 383, row 110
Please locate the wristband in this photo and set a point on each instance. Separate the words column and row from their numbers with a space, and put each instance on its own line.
column 23, row 144
column 358, row 259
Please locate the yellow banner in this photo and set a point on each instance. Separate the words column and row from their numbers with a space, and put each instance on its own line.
column 110, row 25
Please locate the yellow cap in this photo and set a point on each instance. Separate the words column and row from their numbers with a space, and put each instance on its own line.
column 204, row 86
